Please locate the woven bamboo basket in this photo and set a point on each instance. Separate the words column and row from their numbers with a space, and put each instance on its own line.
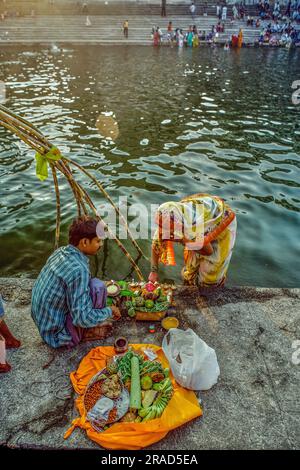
column 118, row 411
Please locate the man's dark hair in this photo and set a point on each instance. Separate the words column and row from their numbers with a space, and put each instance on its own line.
column 82, row 227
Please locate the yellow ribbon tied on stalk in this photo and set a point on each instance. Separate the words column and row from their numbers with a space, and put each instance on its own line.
column 43, row 160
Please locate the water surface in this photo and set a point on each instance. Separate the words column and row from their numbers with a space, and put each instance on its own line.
column 189, row 121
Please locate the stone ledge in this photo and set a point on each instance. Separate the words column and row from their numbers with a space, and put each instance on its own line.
column 254, row 405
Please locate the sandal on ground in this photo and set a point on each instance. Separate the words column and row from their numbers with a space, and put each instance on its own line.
column 10, row 341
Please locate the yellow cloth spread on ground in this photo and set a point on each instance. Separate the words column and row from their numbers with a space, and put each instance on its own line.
column 182, row 407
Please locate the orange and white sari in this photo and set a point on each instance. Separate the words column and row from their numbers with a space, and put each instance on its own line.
column 210, row 217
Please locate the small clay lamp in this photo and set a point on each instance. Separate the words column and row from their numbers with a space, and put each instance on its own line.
column 121, row 345
column 113, row 289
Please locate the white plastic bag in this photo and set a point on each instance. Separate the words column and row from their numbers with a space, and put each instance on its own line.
column 193, row 363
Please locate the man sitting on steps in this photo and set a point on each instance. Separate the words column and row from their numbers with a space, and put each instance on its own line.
column 67, row 305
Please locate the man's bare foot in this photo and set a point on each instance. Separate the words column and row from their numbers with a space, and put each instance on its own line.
column 98, row 332
column 5, row 368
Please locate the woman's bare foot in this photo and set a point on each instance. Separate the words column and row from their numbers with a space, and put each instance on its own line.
column 4, row 368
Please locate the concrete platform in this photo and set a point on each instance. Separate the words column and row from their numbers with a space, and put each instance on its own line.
column 255, row 404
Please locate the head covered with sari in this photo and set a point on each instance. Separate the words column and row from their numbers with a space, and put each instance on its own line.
column 189, row 221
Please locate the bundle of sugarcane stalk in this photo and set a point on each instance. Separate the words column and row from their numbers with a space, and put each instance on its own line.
column 46, row 155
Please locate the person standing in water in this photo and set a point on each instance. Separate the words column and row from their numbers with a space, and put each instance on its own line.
column 240, row 38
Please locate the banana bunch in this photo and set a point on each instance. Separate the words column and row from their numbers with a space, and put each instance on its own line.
column 154, row 411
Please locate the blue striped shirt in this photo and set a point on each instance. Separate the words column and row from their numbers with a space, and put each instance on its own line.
column 62, row 287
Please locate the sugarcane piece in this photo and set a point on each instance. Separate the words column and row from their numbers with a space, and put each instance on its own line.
column 135, row 389
column 58, row 213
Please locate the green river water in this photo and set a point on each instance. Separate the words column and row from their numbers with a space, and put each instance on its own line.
column 189, row 121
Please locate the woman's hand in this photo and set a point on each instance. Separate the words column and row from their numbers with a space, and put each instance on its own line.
column 153, row 277
column 207, row 250
column 116, row 314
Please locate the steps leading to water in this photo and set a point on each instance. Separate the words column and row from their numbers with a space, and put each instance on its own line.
column 107, row 29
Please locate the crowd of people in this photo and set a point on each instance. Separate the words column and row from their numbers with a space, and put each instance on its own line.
column 276, row 12
column 190, row 38
column 238, row 11
column 272, row 33
column 279, row 34
column 276, row 23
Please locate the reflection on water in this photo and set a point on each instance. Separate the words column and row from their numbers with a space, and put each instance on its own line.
column 196, row 121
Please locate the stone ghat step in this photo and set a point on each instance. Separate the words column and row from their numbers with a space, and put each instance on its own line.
column 45, row 20
column 118, row 25
column 138, row 34
column 79, row 19
column 145, row 32
column 64, row 7
column 100, row 21
column 95, row 32
column 67, row 28
column 134, row 24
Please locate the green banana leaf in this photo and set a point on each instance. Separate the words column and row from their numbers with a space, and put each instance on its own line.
column 126, row 293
